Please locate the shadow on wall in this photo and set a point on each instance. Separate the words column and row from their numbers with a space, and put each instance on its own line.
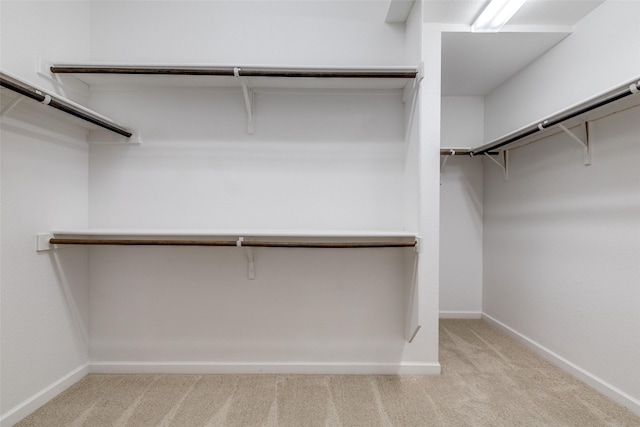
column 72, row 281
column 197, row 305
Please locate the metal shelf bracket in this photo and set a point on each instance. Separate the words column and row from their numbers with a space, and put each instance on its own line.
column 248, row 99
column 585, row 144
column 504, row 165
column 42, row 242
column 410, row 94
column 444, row 160
column 418, row 246
column 251, row 270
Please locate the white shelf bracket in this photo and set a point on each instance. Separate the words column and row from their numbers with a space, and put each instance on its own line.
column 444, row 160
column 585, row 144
column 247, row 91
column 410, row 94
column 412, row 319
column 418, row 246
column 251, row 270
column 504, row 165
column 42, row 242
column 68, row 86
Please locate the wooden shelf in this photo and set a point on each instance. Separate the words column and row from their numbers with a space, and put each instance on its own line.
column 240, row 238
column 248, row 240
column 245, row 78
column 101, row 232
column 14, row 90
column 293, row 77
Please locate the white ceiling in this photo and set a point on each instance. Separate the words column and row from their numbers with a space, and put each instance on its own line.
column 473, row 64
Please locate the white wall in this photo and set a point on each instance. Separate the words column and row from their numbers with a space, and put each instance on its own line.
column 316, row 161
column 461, row 197
column 44, row 297
column 412, row 119
column 561, row 250
column 50, row 30
column 429, row 200
column 336, row 164
column 560, row 239
column 246, row 32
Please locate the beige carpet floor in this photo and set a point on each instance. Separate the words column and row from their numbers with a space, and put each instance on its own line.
column 487, row 379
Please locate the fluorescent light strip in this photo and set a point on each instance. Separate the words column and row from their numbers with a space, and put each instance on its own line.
column 496, row 14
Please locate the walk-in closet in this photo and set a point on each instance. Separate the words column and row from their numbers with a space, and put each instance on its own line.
column 308, row 187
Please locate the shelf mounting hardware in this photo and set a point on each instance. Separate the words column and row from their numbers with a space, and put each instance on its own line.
column 444, row 161
column 248, row 99
column 504, row 165
column 410, row 94
column 251, row 271
column 42, row 242
column 26, row 89
column 585, row 144
column 418, row 246
column 412, row 317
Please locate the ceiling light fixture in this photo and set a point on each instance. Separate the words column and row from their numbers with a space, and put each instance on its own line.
column 495, row 14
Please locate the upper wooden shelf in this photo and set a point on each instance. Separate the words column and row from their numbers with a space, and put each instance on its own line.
column 232, row 76
column 207, row 233
column 246, row 238
column 15, row 89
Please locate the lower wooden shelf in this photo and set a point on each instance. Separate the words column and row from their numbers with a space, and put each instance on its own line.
column 248, row 240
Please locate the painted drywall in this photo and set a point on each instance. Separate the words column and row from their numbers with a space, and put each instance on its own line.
column 44, row 297
column 429, row 190
column 317, row 160
column 593, row 59
column 249, row 32
column 314, row 162
column 561, row 239
column 338, row 164
column 411, row 116
column 561, row 249
column 41, row 31
column 461, row 209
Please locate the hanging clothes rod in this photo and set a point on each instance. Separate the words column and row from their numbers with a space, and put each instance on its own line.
column 245, row 243
column 461, row 152
column 29, row 91
column 632, row 89
column 358, row 73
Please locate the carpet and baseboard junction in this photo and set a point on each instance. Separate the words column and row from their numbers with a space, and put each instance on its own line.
column 488, row 379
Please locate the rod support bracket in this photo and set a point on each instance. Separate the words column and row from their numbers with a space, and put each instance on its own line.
column 504, row 165
column 418, row 247
column 251, row 271
column 445, row 158
column 247, row 92
column 585, row 144
column 42, row 242
column 410, row 95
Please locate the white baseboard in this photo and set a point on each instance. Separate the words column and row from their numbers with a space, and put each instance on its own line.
column 461, row 315
column 21, row 411
column 583, row 375
column 264, row 368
